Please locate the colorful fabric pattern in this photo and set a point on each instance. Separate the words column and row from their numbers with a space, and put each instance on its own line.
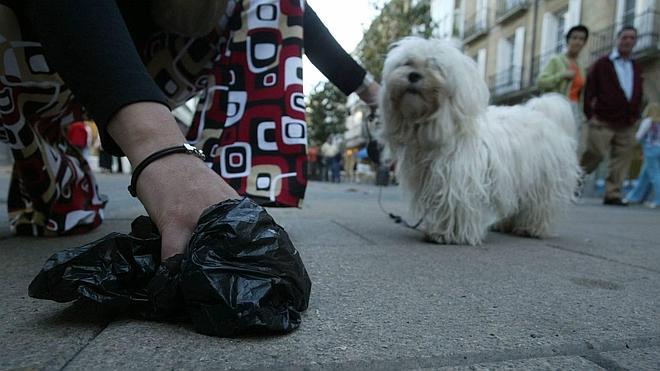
column 251, row 119
column 52, row 189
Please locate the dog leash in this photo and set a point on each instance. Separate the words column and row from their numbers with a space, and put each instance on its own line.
column 374, row 151
column 397, row 219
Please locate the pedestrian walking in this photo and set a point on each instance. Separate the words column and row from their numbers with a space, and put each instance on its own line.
column 612, row 101
column 563, row 74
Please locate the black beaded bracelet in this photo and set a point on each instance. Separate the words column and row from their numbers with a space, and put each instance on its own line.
column 181, row 148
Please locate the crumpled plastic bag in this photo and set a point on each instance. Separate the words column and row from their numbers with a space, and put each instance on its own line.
column 240, row 273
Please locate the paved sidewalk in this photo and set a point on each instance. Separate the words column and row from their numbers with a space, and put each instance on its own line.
column 381, row 298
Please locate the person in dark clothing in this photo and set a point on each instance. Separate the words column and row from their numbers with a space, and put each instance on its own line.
column 111, row 60
column 612, row 101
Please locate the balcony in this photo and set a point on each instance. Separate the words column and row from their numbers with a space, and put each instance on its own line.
column 648, row 37
column 509, row 8
column 475, row 26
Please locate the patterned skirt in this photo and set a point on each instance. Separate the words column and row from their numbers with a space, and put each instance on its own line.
column 250, row 121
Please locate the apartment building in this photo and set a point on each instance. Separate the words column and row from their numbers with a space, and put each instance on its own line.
column 512, row 39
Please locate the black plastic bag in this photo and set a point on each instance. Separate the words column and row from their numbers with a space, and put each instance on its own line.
column 240, row 273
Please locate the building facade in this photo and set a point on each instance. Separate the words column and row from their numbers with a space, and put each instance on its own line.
column 512, row 39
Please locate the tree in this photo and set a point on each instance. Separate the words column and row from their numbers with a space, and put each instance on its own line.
column 326, row 112
column 397, row 19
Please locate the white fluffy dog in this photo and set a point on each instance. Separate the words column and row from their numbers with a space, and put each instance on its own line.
column 468, row 166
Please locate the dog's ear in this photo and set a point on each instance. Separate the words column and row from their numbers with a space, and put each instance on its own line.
column 470, row 93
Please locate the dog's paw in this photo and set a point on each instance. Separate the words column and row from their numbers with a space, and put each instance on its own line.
column 434, row 238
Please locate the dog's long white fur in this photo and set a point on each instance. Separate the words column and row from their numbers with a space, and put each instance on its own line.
column 467, row 166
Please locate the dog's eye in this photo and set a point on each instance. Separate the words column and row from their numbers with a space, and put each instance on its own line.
column 436, row 66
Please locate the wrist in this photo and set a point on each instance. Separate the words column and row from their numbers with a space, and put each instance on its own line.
column 368, row 90
column 143, row 128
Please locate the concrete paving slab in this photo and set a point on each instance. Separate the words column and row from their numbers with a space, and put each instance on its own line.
column 41, row 334
column 550, row 363
column 635, row 359
column 400, row 303
column 381, row 298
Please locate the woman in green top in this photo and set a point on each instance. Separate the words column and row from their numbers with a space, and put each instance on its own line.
column 563, row 74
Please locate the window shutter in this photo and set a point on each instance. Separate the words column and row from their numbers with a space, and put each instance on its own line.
column 574, row 13
column 548, row 37
column 481, row 62
column 518, row 54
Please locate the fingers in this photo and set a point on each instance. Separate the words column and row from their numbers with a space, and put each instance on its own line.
column 174, row 241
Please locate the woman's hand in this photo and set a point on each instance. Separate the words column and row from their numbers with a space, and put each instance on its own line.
column 174, row 189
column 370, row 94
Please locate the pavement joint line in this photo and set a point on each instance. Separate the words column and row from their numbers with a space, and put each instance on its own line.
column 371, row 243
column 587, row 350
column 73, row 357
column 563, row 248
column 604, row 362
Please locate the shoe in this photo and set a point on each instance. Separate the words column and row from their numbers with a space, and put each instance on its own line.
column 615, row 201
column 650, row 205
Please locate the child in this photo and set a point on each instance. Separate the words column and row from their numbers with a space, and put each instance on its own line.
column 649, row 177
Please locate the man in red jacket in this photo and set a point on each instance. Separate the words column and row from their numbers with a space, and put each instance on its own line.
column 612, row 100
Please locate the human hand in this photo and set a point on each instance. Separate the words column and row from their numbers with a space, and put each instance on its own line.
column 174, row 189
column 568, row 75
column 370, row 94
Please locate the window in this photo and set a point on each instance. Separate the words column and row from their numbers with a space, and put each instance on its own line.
column 481, row 62
column 442, row 13
column 562, row 20
column 510, row 62
column 553, row 31
column 628, row 17
column 481, row 14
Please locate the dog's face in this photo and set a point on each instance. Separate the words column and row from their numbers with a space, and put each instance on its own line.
column 422, row 77
column 414, row 82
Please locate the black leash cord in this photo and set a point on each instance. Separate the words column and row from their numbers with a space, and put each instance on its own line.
column 397, row 219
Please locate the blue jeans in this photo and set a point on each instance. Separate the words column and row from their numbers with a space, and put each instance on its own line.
column 649, row 177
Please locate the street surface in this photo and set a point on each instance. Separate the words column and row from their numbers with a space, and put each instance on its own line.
column 381, row 298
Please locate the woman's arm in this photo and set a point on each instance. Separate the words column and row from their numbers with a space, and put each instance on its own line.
column 90, row 47
column 552, row 75
column 328, row 56
column 334, row 62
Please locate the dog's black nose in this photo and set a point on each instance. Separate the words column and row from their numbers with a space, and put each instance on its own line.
column 414, row 77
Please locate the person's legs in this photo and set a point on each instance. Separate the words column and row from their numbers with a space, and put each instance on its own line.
column 105, row 161
column 653, row 160
column 336, row 169
column 120, row 166
column 621, row 154
column 328, row 169
column 643, row 186
column 597, row 144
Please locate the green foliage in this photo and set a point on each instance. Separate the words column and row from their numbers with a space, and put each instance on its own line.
column 397, row 19
column 326, row 105
column 326, row 113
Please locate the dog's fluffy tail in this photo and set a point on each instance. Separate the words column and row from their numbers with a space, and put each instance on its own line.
column 557, row 108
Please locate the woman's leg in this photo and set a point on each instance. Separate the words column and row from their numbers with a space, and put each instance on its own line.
column 52, row 189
